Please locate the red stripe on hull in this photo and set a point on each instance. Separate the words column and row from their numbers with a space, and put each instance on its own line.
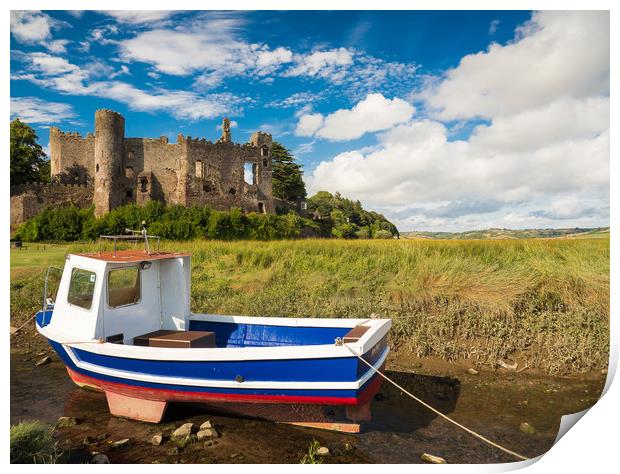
column 167, row 395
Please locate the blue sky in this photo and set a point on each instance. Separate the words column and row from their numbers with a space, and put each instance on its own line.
column 441, row 120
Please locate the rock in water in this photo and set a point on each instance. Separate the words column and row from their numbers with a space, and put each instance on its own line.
column 322, row 451
column 100, row 459
column 432, row 459
column 472, row 371
column 526, row 428
column 157, row 439
column 45, row 360
column 121, row 443
column 66, row 422
column 182, row 432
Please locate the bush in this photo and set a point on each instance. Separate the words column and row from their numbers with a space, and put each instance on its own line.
column 32, row 443
column 169, row 222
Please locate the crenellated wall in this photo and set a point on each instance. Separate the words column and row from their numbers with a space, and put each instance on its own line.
column 189, row 172
column 27, row 200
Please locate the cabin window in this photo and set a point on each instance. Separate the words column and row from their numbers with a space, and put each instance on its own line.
column 81, row 288
column 123, row 286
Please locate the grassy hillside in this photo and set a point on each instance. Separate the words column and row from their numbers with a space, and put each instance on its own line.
column 544, row 303
column 600, row 232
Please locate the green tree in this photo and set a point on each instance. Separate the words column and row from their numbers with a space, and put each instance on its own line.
column 28, row 161
column 287, row 177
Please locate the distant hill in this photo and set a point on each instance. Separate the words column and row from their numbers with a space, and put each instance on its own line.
column 575, row 232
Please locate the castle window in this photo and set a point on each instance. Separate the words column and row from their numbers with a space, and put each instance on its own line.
column 129, row 193
column 199, row 169
column 130, row 155
column 261, row 208
column 144, row 182
column 128, row 172
column 264, row 151
column 97, row 168
column 249, row 173
column 207, row 188
column 232, row 191
column 265, row 163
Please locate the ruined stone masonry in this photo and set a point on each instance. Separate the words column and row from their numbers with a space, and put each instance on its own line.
column 110, row 170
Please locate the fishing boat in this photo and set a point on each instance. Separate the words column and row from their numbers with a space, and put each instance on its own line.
column 121, row 323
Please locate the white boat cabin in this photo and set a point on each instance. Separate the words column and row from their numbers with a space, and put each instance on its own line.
column 116, row 296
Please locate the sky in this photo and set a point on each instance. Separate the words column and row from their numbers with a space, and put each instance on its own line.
column 441, row 120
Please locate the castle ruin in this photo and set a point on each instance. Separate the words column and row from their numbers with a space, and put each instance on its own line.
column 108, row 170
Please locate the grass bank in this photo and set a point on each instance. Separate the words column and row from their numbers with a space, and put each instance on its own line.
column 544, row 303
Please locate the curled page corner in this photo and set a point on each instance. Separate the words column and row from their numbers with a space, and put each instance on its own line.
column 567, row 422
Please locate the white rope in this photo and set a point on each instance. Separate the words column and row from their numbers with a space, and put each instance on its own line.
column 445, row 417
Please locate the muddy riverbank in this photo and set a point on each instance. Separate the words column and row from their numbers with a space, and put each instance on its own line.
column 493, row 402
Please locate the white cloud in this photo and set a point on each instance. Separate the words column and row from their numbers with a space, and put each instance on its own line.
column 296, row 99
column 35, row 27
column 30, row 26
column 541, row 160
column 326, row 64
column 309, row 124
column 37, row 111
column 556, row 54
column 61, row 76
column 139, row 17
column 372, row 114
column 211, row 47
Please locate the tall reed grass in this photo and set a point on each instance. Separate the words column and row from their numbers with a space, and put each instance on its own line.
column 543, row 302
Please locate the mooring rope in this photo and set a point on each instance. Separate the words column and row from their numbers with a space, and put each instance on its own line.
column 27, row 321
column 445, row 417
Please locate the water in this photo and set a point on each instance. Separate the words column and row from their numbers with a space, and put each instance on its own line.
column 400, row 432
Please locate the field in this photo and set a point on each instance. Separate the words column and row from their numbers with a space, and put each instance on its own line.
column 488, row 234
column 543, row 303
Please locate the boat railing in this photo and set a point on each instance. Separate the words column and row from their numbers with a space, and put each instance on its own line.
column 49, row 299
column 133, row 236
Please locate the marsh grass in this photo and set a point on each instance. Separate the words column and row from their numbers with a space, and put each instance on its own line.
column 311, row 457
column 543, row 301
column 33, row 443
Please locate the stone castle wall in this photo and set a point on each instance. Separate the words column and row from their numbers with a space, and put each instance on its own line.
column 27, row 200
column 119, row 170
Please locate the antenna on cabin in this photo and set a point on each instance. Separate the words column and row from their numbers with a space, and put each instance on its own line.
column 146, row 238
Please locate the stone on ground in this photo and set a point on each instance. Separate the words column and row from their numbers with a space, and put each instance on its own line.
column 322, row 451
column 472, row 371
column 182, row 431
column 45, row 360
column 207, row 433
column 526, row 428
column 121, row 443
column 100, row 459
column 432, row 459
column 206, row 424
column 157, row 439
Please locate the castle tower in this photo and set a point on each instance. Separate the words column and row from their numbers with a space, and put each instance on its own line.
column 56, row 166
column 263, row 171
column 226, row 136
column 109, row 140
